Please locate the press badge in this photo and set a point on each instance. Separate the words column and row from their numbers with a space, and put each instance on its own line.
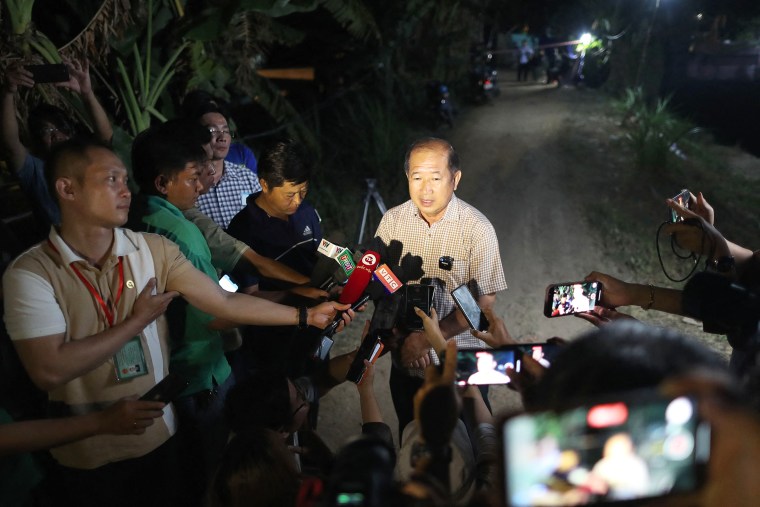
column 129, row 362
column 244, row 197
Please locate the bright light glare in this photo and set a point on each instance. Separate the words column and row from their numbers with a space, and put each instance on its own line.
column 699, row 16
column 586, row 38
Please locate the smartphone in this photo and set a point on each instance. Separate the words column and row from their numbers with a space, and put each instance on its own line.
column 370, row 350
column 227, row 284
column 488, row 366
column 420, row 296
column 684, row 199
column 469, row 307
column 167, row 389
column 571, row 297
column 49, row 73
column 624, row 448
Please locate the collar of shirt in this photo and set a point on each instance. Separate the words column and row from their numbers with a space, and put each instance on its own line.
column 122, row 245
column 156, row 203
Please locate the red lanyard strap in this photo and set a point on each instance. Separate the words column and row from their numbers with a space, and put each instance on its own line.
column 95, row 294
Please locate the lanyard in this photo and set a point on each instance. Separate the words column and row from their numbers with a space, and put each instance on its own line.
column 95, row 294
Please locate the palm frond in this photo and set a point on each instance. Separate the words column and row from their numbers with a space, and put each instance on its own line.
column 354, row 16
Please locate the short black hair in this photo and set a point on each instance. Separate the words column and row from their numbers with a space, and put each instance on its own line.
column 199, row 102
column 165, row 149
column 433, row 143
column 285, row 161
column 73, row 154
column 622, row 356
column 47, row 113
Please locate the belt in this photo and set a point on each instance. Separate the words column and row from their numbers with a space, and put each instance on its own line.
column 204, row 399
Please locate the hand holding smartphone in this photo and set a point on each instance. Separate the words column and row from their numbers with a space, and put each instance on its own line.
column 168, row 389
column 49, row 73
column 470, row 308
column 569, row 298
column 488, row 366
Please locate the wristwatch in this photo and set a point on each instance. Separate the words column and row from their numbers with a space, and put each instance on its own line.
column 723, row 264
column 303, row 317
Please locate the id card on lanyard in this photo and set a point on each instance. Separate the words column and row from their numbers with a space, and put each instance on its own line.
column 129, row 361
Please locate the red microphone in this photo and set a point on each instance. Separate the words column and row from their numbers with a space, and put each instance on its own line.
column 360, row 278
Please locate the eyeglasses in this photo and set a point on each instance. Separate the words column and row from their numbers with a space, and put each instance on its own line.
column 221, row 133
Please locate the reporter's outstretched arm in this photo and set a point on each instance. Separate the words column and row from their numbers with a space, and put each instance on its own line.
column 617, row 293
column 81, row 84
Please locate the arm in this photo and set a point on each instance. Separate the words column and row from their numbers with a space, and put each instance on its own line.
column 80, row 83
column 618, row 293
column 51, row 361
column 125, row 417
column 201, row 291
column 369, row 406
column 11, row 141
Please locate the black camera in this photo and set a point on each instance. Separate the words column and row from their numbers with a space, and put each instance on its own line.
column 723, row 306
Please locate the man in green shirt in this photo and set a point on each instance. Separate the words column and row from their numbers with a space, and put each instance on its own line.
column 168, row 161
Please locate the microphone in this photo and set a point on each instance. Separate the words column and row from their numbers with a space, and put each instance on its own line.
column 360, row 278
column 326, row 274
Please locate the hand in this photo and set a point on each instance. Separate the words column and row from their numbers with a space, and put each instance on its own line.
column 700, row 206
column 616, row 292
column 310, row 292
column 16, row 76
column 323, row 314
column 497, row 334
column 735, row 448
column 366, row 385
column 148, row 307
column 530, row 373
column 601, row 315
column 699, row 236
column 432, row 329
column 129, row 417
column 414, row 350
column 435, row 377
column 79, row 77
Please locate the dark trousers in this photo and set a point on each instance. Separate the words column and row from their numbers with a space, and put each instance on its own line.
column 147, row 481
column 202, row 436
column 403, row 387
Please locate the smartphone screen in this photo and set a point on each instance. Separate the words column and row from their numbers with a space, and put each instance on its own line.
column 167, row 389
column 571, row 297
column 227, row 284
column 488, row 366
column 469, row 307
column 637, row 446
column 420, row 296
column 684, row 199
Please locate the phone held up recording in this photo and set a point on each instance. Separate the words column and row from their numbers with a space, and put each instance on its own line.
column 470, row 308
column 48, row 73
column 618, row 448
column 684, row 199
column 488, row 366
column 569, row 298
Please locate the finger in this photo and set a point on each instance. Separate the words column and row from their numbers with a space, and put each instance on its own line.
column 149, row 287
column 450, row 364
column 590, row 317
column 433, row 314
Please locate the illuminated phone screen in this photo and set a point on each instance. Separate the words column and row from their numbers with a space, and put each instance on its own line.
column 607, row 452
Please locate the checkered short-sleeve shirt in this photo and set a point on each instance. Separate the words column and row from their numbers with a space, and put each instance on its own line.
column 223, row 201
column 464, row 234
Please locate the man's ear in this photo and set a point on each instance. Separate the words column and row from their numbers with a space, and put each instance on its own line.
column 264, row 185
column 64, row 188
column 457, row 177
column 160, row 182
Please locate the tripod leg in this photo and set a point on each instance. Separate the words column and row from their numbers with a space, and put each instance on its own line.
column 364, row 220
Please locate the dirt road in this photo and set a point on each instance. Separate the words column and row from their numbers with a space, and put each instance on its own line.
column 521, row 170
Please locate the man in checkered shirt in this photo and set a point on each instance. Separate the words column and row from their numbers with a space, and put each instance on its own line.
column 233, row 183
column 432, row 225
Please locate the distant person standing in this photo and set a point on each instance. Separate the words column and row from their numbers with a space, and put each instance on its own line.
column 525, row 54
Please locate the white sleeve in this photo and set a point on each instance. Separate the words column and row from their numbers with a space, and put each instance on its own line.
column 31, row 309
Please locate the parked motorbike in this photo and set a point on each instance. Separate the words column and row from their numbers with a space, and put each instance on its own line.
column 440, row 107
column 484, row 77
